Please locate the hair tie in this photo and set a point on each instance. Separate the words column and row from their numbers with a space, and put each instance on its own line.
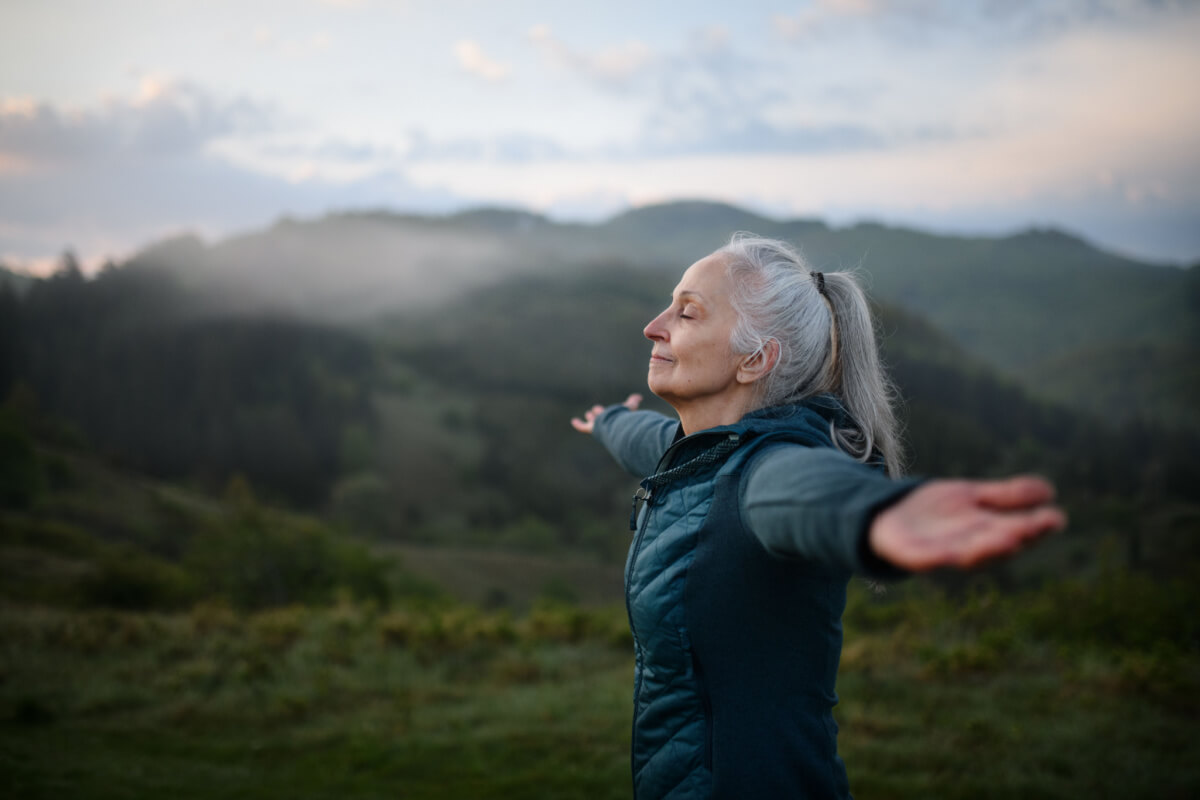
column 819, row 277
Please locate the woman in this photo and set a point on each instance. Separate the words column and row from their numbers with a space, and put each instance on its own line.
column 770, row 490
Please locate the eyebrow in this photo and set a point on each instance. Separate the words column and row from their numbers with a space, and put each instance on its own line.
column 688, row 293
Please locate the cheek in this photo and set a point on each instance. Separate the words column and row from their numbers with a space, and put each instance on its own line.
column 713, row 361
column 716, row 349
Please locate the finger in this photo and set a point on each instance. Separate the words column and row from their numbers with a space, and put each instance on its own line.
column 1006, row 535
column 1044, row 521
column 581, row 425
column 633, row 401
column 1023, row 491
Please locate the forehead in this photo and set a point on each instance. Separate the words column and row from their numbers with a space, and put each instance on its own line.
column 708, row 278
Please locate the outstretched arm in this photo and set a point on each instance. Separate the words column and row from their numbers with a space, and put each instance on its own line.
column 962, row 523
column 588, row 423
column 820, row 506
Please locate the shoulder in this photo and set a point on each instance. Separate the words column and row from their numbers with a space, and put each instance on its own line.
column 780, row 465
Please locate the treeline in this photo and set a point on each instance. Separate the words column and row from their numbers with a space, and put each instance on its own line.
column 160, row 383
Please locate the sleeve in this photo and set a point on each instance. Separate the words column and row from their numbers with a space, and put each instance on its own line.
column 816, row 505
column 636, row 439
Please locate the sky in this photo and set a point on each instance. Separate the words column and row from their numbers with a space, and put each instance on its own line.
column 128, row 121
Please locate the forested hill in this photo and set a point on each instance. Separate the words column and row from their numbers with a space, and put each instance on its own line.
column 1072, row 323
column 448, row 424
column 416, row 385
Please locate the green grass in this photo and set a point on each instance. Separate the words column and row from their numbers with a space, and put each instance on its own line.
column 1038, row 731
column 974, row 697
column 485, row 577
column 299, row 703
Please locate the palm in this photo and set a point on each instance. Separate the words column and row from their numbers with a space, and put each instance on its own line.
column 959, row 523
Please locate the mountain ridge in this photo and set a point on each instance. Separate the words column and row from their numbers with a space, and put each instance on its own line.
column 1027, row 302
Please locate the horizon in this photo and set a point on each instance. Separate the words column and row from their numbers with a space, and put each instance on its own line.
column 958, row 119
column 44, row 268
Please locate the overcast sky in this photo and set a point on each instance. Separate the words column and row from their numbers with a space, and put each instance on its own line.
column 128, row 120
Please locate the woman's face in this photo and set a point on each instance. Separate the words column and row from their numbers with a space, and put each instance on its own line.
column 692, row 362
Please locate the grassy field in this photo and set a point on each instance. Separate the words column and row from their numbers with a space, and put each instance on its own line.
column 489, row 578
column 343, row 702
column 1070, row 691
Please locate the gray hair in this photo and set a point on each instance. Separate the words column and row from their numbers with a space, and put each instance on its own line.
column 826, row 335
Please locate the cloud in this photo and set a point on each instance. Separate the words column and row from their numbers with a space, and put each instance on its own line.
column 916, row 21
column 108, row 179
column 828, row 17
column 110, row 209
column 839, row 110
column 611, row 68
column 710, row 98
column 165, row 119
column 701, row 127
column 472, row 59
column 512, row 147
column 331, row 149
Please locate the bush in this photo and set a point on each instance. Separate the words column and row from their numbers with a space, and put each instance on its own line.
column 127, row 579
column 259, row 559
column 1119, row 609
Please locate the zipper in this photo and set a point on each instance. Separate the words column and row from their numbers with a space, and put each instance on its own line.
column 637, row 647
column 633, row 557
column 664, row 477
column 644, row 494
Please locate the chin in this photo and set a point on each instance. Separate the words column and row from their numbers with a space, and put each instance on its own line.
column 660, row 391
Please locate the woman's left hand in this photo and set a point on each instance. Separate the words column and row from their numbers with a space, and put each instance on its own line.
column 962, row 523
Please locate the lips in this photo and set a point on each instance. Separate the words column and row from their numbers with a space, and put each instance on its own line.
column 659, row 358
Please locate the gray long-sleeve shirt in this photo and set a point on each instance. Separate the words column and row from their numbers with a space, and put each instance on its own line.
column 813, row 504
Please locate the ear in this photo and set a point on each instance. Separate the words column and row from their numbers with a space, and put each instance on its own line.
column 755, row 366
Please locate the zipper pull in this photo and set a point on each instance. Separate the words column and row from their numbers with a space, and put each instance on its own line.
column 642, row 493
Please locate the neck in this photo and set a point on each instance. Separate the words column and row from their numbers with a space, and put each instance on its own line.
column 712, row 412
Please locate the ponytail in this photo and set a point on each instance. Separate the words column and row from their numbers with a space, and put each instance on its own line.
column 859, row 377
column 826, row 335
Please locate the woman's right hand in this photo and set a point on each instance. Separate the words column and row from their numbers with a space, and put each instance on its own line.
column 587, row 423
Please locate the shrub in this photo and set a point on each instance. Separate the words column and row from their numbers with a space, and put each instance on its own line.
column 259, row 559
column 1119, row 609
column 21, row 478
column 276, row 630
column 127, row 579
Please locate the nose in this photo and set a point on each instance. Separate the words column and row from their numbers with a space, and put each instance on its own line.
column 656, row 331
